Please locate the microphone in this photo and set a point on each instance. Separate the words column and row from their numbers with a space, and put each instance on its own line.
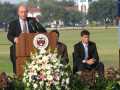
column 32, row 26
column 36, row 24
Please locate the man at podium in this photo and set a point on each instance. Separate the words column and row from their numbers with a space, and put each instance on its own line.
column 22, row 24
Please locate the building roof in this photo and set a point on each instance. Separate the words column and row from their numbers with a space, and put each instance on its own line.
column 34, row 10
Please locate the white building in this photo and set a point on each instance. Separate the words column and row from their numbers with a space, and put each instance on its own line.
column 34, row 12
column 83, row 5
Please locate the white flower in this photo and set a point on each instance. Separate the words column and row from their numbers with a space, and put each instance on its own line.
column 49, row 77
column 57, row 78
column 43, row 67
column 57, row 70
column 28, row 84
column 36, row 66
column 33, row 63
column 48, row 67
column 32, row 56
column 57, row 83
column 55, row 55
column 119, row 82
column 25, row 74
column 35, row 86
column 54, row 60
column 35, row 73
column 30, row 79
column 39, row 69
column 39, row 56
column 41, row 83
column 54, row 66
column 67, row 81
column 45, row 58
column 48, row 72
column 42, row 51
column 61, row 65
column 62, row 73
column 57, row 64
column 63, row 81
column 50, row 55
column 24, row 80
column 30, row 66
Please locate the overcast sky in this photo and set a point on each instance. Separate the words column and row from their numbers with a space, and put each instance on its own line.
column 13, row 1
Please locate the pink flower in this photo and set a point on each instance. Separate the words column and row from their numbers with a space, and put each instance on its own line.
column 56, row 77
column 42, row 77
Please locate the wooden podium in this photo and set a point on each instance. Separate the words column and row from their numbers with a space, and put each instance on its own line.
column 25, row 46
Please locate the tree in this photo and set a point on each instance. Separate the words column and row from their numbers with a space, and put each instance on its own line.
column 56, row 10
column 103, row 11
column 73, row 17
column 8, row 12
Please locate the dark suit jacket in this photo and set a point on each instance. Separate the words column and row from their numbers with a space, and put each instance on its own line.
column 15, row 29
column 62, row 51
column 79, row 54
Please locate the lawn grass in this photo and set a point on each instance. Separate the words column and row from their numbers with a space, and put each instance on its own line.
column 106, row 41
column 5, row 63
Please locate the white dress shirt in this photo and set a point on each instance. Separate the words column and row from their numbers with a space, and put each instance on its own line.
column 22, row 24
column 86, row 52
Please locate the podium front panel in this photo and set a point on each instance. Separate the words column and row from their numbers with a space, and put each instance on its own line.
column 25, row 47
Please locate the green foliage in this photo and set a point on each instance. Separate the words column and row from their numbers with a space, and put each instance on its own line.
column 16, row 84
column 73, row 17
column 104, row 84
column 54, row 10
column 8, row 12
column 102, row 10
column 75, row 83
column 101, row 84
column 113, row 85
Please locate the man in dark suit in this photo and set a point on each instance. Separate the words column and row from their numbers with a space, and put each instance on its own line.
column 61, row 49
column 21, row 25
column 86, row 55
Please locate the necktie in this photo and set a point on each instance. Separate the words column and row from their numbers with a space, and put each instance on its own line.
column 24, row 27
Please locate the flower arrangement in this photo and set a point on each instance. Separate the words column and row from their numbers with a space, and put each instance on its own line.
column 44, row 71
column 112, row 73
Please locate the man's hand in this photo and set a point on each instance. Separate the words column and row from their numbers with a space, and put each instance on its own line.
column 16, row 40
column 90, row 61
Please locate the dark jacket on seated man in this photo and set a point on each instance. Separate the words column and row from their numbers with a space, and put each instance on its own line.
column 79, row 62
column 62, row 51
column 79, row 55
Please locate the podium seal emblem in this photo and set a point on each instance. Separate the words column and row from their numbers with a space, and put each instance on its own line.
column 40, row 41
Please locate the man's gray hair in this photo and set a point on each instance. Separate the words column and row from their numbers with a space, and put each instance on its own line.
column 22, row 4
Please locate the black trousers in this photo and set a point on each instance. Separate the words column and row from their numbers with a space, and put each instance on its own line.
column 99, row 67
column 13, row 57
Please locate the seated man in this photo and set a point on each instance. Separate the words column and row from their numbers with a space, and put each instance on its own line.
column 86, row 55
column 62, row 49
